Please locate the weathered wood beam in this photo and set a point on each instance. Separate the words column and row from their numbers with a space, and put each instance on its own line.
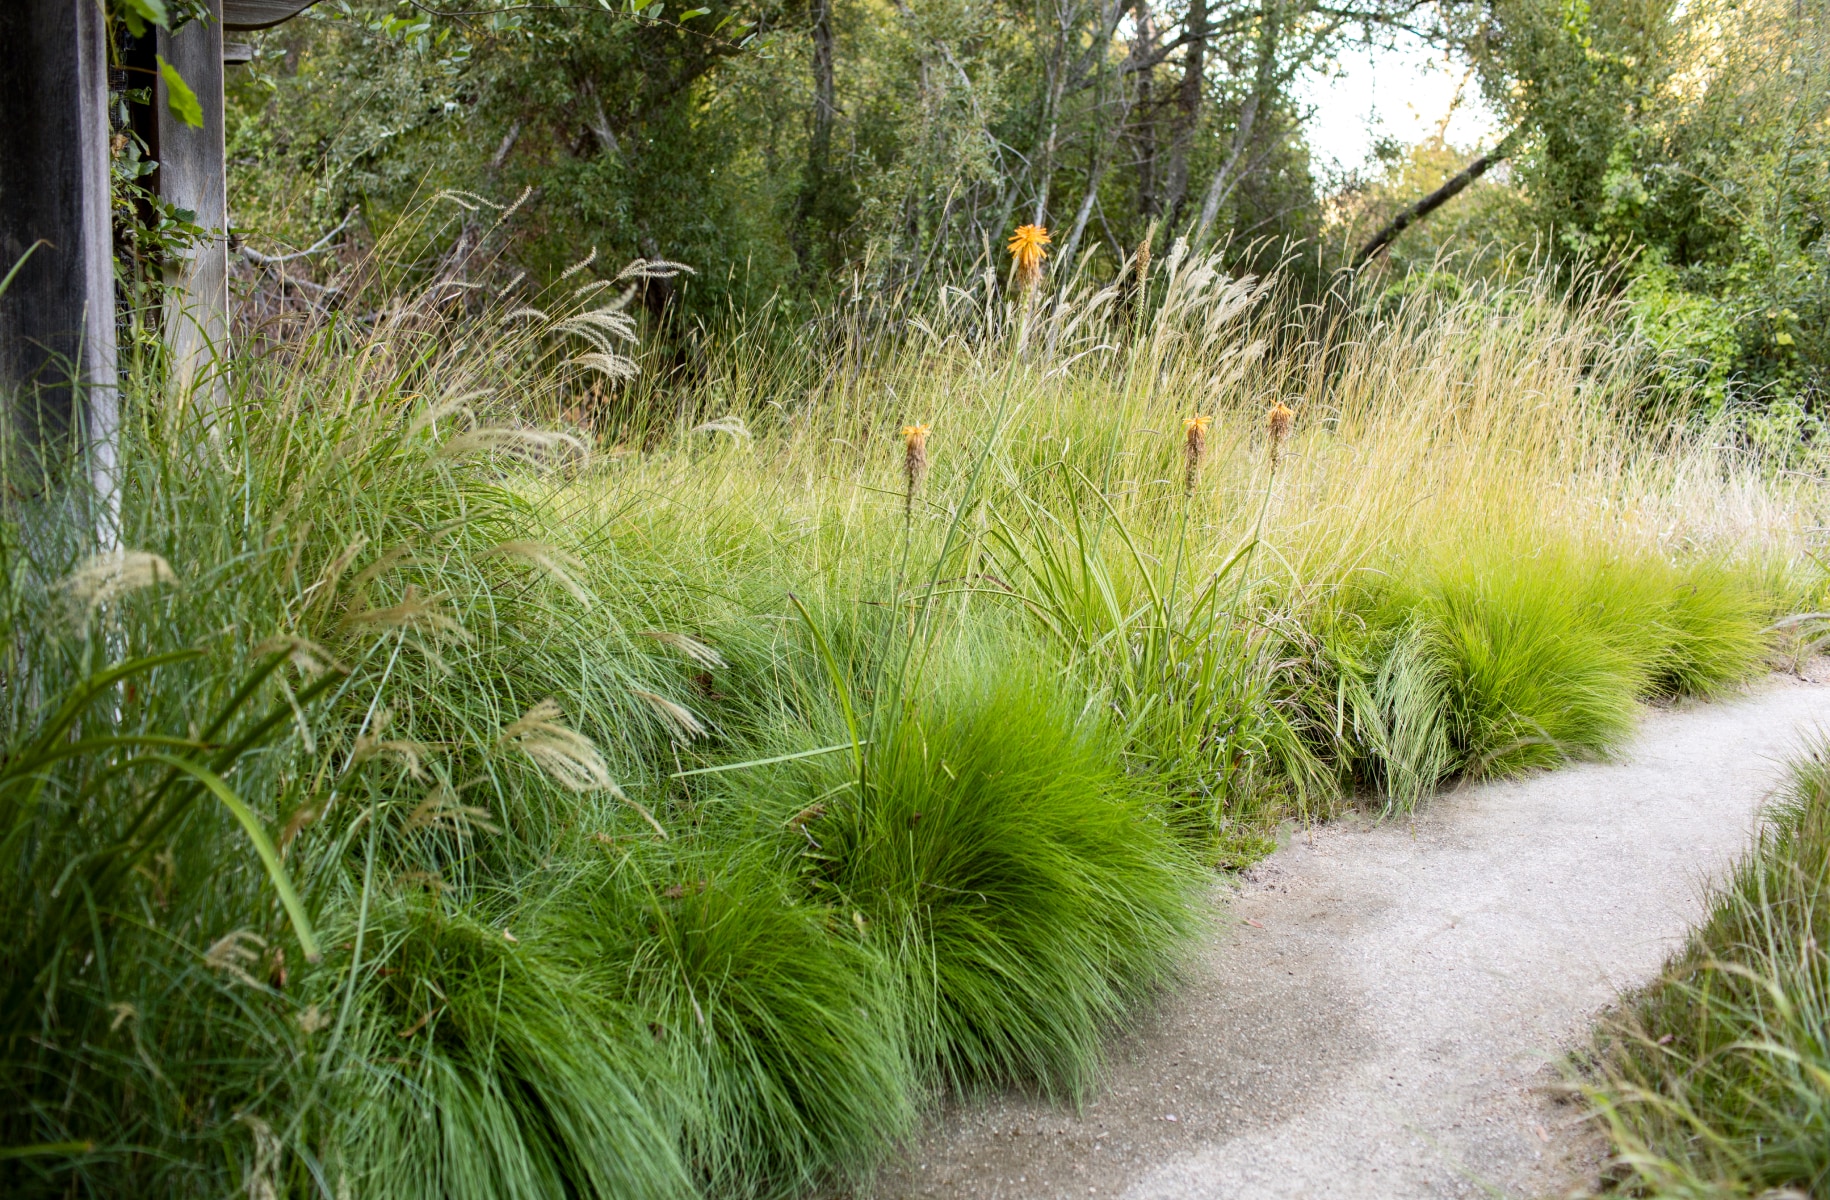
column 193, row 176
column 57, row 318
column 261, row 14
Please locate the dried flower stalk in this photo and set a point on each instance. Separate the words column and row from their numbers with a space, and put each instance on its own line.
column 1278, row 423
column 1194, row 449
column 914, row 463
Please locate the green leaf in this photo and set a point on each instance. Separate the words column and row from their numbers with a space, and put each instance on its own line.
column 178, row 95
column 263, row 846
column 59, row 1149
column 690, row 13
column 138, row 12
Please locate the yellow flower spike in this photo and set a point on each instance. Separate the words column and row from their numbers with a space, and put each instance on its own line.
column 1026, row 251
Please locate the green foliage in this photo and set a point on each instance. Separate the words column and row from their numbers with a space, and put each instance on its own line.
column 1531, row 681
column 1395, row 683
column 495, row 1066
column 1689, row 142
column 534, row 981
column 1203, row 701
column 1694, row 339
column 179, row 97
column 681, row 823
column 787, row 150
column 1715, row 1081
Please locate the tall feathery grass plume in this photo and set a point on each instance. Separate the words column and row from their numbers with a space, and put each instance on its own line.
column 914, row 464
column 1026, row 254
column 1194, row 449
column 568, row 757
column 102, row 578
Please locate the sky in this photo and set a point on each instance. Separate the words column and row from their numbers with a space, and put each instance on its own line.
column 1401, row 92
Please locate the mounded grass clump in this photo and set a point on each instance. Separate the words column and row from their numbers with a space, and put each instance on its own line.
column 774, row 1020
column 498, row 1067
column 1715, row 627
column 1533, row 676
column 1715, row 1081
column 1502, row 664
column 1028, row 891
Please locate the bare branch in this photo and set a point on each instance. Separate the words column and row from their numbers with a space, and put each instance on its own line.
column 322, row 244
column 1448, row 191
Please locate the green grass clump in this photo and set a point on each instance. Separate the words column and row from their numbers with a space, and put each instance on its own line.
column 1533, row 676
column 778, row 1025
column 1715, row 1081
column 1715, row 627
column 498, row 1067
column 1028, row 891
column 1501, row 664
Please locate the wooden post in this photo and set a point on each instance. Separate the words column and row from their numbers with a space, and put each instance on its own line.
column 57, row 322
column 192, row 176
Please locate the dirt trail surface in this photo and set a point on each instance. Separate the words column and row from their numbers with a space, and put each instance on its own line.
column 1380, row 1009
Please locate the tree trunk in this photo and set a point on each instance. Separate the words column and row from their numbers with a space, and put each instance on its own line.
column 1144, row 47
column 1056, row 68
column 1264, row 78
column 1448, row 191
column 819, row 133
column 824, row 103
column 1189, row 94
column 193, row 176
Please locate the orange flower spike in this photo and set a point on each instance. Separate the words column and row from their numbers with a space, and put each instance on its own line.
column 1277, row 424
column 1194, row 448
column 1027, row 253
column 914, row 463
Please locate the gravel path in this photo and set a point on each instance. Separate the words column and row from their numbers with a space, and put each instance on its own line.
column 1380, row 1008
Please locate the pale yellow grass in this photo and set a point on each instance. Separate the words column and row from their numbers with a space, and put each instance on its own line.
column 1504, row 419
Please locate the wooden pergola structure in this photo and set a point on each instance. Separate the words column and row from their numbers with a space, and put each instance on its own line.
column 57, row 315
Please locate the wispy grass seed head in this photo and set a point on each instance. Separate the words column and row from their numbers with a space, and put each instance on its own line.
column 692, row 647
column 102, row 578
column 568, row 757
column 680, row 720
column 561, row 567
